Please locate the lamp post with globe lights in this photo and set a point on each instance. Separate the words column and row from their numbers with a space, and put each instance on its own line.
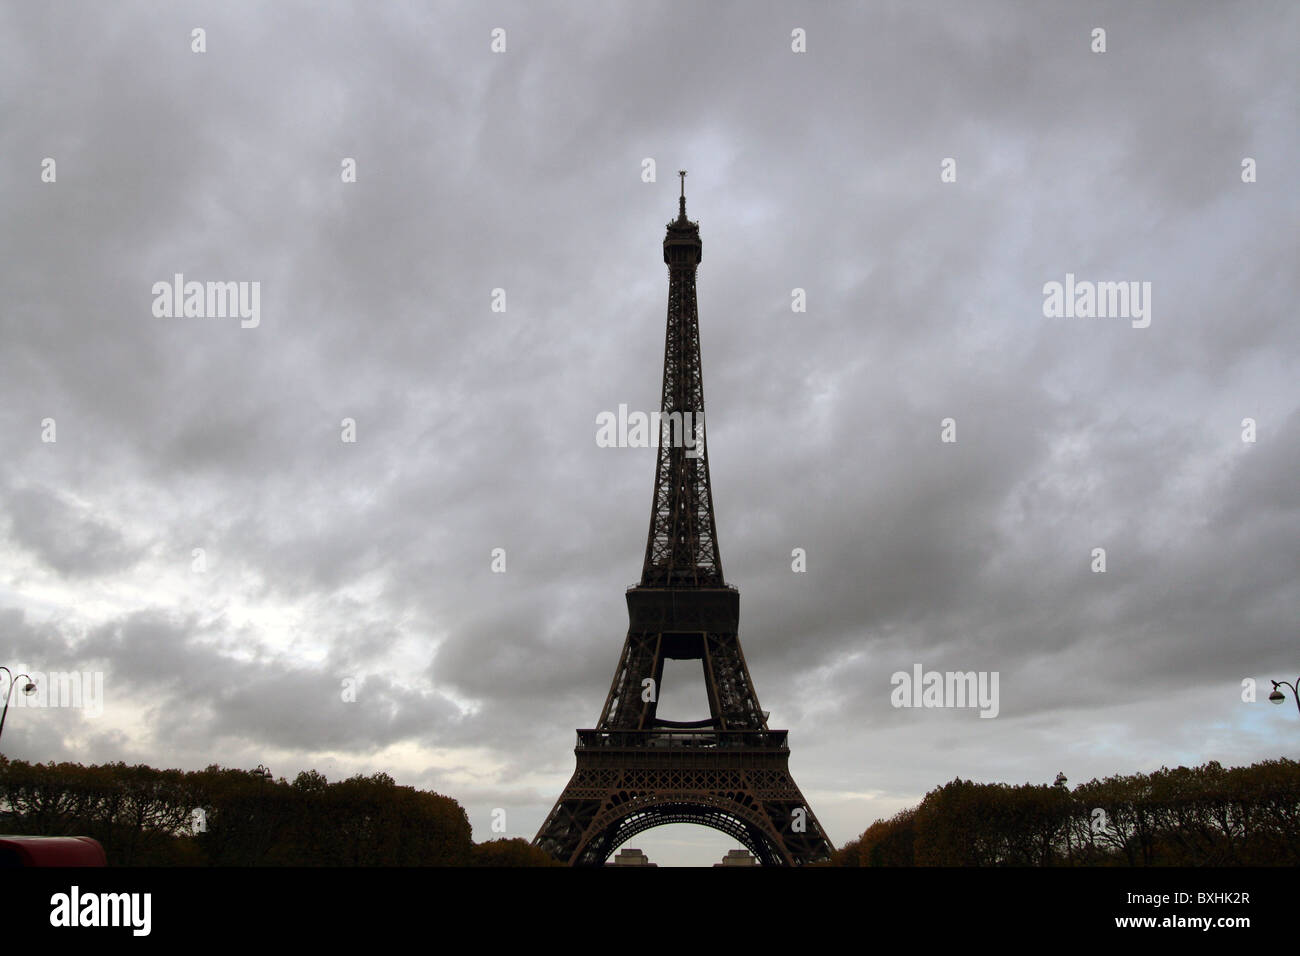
column 1277, row 696
column 29, row 687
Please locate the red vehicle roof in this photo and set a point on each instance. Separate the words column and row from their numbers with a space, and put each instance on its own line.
column 51, row 851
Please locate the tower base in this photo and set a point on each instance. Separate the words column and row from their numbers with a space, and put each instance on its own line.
column 737, row 782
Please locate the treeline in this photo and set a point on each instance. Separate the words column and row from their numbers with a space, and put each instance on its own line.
column 1200, row 816
column 226, row 817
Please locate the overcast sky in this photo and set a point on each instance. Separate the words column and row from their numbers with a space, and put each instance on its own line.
column 522, row 170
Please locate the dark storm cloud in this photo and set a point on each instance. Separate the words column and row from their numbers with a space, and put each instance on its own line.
column 475, row 429
column 66, row 536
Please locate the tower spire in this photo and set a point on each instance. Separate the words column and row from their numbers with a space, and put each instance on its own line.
column 682, row 547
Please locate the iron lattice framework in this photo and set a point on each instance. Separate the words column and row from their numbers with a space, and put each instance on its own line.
column 635, row 770
column 682, row 547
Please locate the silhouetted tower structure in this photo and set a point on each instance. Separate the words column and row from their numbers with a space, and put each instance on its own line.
column 635, row 770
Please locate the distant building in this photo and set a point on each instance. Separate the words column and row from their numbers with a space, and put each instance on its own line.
column 631, row 857
column 738, row 858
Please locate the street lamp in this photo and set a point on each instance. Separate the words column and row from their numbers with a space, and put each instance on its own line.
column 28, row 688
column 262, row 772
column 1277, row 696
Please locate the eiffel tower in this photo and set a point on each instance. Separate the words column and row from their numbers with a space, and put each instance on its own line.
column 635, row 770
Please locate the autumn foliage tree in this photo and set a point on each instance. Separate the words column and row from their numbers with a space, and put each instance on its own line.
column 885, row 843
column 511, row 852
column 1198, row 816
column 135, row 810
column 227, row 817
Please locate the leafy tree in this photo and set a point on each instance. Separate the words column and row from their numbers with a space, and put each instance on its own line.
column 1198, row 816
column 511, row 852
